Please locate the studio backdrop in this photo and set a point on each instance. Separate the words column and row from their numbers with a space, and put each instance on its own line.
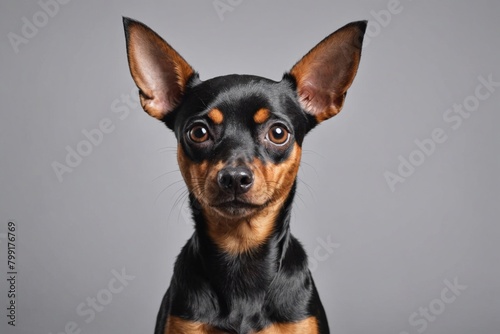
column 398, row 195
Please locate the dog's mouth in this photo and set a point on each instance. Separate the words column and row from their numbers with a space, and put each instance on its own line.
column 237, row 204
column 236, row 207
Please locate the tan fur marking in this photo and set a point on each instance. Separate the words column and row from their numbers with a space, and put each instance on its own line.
column 241, row 236
column 308, row 66
column 306, row 326
column 272, row 184
column 192, row 173
column 216, row 116
column 176, row 325
column 261, row 116
column 152, row 97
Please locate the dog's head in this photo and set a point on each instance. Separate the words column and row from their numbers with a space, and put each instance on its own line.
column 240, row 136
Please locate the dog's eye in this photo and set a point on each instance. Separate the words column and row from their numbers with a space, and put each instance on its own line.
column 278, row 135
column 198, row 133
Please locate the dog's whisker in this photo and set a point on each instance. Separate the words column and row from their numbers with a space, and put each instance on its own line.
column 308, row 187
column 310, row 166
column 166, row 173
column 166, row 188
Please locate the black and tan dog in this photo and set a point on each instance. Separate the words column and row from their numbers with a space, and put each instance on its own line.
column 239, row 148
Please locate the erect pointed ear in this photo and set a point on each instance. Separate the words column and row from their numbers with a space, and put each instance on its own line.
column 159, row 72
column 325, row 73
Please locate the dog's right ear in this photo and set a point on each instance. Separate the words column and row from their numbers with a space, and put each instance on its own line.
column 159, row 72
column 325, row 73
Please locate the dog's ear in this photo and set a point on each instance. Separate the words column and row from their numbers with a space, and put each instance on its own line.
column 325, row 73
column 159, row 72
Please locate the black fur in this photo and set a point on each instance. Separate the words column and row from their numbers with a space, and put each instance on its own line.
column 250, row 291
column 244, row 292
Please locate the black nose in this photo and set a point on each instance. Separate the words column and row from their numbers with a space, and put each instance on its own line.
column 235, row 180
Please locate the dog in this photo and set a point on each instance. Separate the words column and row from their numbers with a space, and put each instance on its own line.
column 239, row 148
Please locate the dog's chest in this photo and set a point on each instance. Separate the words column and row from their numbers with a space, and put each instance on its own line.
column 252, row 312
column 247, row 299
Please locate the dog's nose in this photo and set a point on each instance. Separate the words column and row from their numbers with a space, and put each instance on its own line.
column 235, row 180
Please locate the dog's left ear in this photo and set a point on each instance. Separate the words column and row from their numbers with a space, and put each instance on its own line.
column 325, row 73
column 160, row 73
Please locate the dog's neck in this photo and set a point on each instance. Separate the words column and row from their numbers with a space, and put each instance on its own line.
column 254, row 267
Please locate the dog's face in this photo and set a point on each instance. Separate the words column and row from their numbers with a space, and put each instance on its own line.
column 240, row 136
column 239, row 142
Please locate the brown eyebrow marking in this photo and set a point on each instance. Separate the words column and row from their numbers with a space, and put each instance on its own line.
column 177, row 325
column 308, row 325
column 216, row 116
column 261, row 115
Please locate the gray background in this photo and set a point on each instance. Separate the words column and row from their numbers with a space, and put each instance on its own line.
column 118, row 210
